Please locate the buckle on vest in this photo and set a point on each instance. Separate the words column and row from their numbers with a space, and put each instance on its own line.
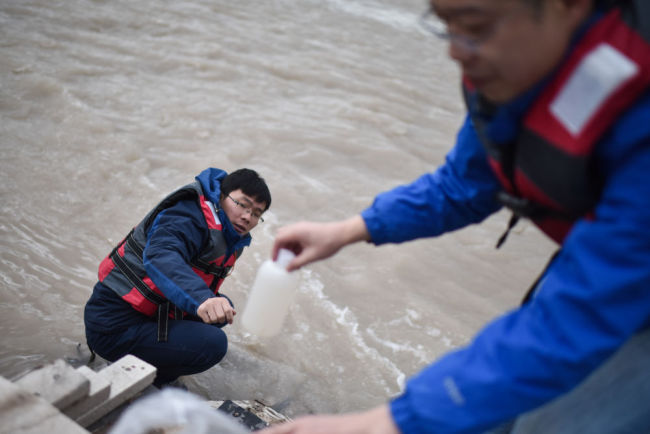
column 520, row 206
column 219, row 271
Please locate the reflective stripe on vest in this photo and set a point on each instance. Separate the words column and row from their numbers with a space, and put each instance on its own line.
column 548, row 172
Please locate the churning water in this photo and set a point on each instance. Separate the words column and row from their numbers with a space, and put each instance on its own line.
column 107, row 105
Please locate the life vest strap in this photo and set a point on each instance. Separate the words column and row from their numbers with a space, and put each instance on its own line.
column 133, row 245
column 514, row 218
column 533, row 287
column 135, row 280
column 523, row 207
column 163, row 319
column 219, row 271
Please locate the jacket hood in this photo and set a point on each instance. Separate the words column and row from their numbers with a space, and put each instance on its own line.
column 210, row 180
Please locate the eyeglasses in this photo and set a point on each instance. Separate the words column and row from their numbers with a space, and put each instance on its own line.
column 248, row 209
column 430, row 22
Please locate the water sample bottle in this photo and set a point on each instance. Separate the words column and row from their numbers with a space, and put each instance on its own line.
column 270, row 297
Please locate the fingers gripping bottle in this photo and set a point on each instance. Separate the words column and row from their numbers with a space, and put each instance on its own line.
column 270, row 297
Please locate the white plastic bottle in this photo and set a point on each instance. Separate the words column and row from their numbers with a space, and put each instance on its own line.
column 270, row 297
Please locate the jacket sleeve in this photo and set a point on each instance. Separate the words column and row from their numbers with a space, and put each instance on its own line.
column 593, row 297
column 175, row 237
column 459, row 193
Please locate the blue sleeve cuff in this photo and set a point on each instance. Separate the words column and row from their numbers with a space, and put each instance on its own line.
column 375, row 226
column 400, row 410
column 460, row 192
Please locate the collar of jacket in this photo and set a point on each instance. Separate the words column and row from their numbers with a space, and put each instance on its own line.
column 210, row 180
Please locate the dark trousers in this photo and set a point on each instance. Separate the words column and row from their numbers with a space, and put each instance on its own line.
column 191, row 347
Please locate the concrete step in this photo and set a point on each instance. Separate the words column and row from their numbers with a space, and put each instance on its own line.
column 59, row 384
column 23, row 412
column 56, row 396
column 58, row 399
column 100, row 389
column 127, row 376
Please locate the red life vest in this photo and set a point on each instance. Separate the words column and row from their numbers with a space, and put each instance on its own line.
column 548, row 172
column 123, row 270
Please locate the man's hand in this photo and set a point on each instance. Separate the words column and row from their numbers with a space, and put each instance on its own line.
column 216, row 310
column 376, row 421
column 313, row 241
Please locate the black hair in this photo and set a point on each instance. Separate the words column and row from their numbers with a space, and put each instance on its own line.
column 250, row 183
column 538, row 3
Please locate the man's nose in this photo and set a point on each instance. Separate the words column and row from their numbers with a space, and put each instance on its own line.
column 460, row 52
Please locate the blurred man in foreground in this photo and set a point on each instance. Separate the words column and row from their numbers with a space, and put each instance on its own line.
column 558, row 130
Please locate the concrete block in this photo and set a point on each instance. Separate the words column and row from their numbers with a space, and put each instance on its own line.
column 23, row 412
column 58, row 383
column 100, row 389
column 127, row 376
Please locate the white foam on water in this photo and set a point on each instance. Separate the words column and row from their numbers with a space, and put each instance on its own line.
column 108, row 106
column 382, row 13
column 314, row 287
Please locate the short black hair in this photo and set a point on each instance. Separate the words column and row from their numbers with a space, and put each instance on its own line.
column 538, row 3
column 250, row 183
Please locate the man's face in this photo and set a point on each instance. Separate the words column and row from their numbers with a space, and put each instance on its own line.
column 515, row 45
column 243, row 211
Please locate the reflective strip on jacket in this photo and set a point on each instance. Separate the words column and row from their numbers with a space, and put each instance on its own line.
column 548, row 170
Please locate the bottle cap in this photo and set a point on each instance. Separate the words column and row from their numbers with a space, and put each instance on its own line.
column 284, row 257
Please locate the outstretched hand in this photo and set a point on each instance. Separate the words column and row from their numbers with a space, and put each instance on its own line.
column 314, row 241
column 376, row 421
column 216, row 310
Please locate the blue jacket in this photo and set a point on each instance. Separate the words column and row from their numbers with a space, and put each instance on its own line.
column 593, row 298
column 177, row 235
